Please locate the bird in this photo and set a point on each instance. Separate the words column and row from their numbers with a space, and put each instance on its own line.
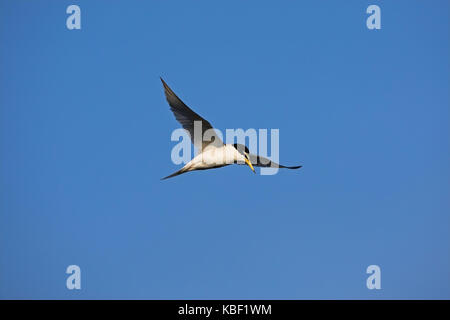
column 212, row 153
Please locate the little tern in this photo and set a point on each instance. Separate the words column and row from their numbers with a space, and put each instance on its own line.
column 213, row 153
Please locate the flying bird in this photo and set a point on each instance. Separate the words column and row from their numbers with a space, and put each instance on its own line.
column 213, row 153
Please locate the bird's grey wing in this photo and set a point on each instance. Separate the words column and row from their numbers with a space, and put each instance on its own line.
column 258, row 161
column 186, row 117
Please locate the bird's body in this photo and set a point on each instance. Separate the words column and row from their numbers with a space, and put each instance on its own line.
column 213, row 153
column 214, row 157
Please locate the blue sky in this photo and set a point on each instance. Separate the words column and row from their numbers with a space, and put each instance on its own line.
column 85, row 138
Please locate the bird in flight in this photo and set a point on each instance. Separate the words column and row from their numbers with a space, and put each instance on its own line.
column 213, row 153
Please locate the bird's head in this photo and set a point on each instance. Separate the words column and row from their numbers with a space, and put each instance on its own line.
column 244, row 155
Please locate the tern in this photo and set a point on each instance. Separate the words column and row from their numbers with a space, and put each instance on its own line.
column 213, row 153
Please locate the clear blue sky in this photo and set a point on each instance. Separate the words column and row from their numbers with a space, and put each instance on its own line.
column 85, row 137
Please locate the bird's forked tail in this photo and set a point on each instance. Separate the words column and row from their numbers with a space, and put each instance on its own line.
column 182, row 170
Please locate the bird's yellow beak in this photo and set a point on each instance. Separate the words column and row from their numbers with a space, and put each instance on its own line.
column 250, row 165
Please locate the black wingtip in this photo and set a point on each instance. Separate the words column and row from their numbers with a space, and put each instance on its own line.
column 166, row 86
column 293, row 167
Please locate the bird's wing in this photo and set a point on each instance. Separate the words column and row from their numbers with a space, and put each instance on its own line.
column 259, row 161
column 186, row 117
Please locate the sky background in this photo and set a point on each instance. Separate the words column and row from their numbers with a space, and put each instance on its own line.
column 85, row 138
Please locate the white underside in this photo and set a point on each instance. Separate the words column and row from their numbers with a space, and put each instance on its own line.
column 213, row 156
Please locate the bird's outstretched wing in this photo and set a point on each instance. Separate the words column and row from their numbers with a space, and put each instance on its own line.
column 186, row 117
column 259, row 161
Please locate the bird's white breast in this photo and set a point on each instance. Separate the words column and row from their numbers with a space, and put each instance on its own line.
column 215, row 156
